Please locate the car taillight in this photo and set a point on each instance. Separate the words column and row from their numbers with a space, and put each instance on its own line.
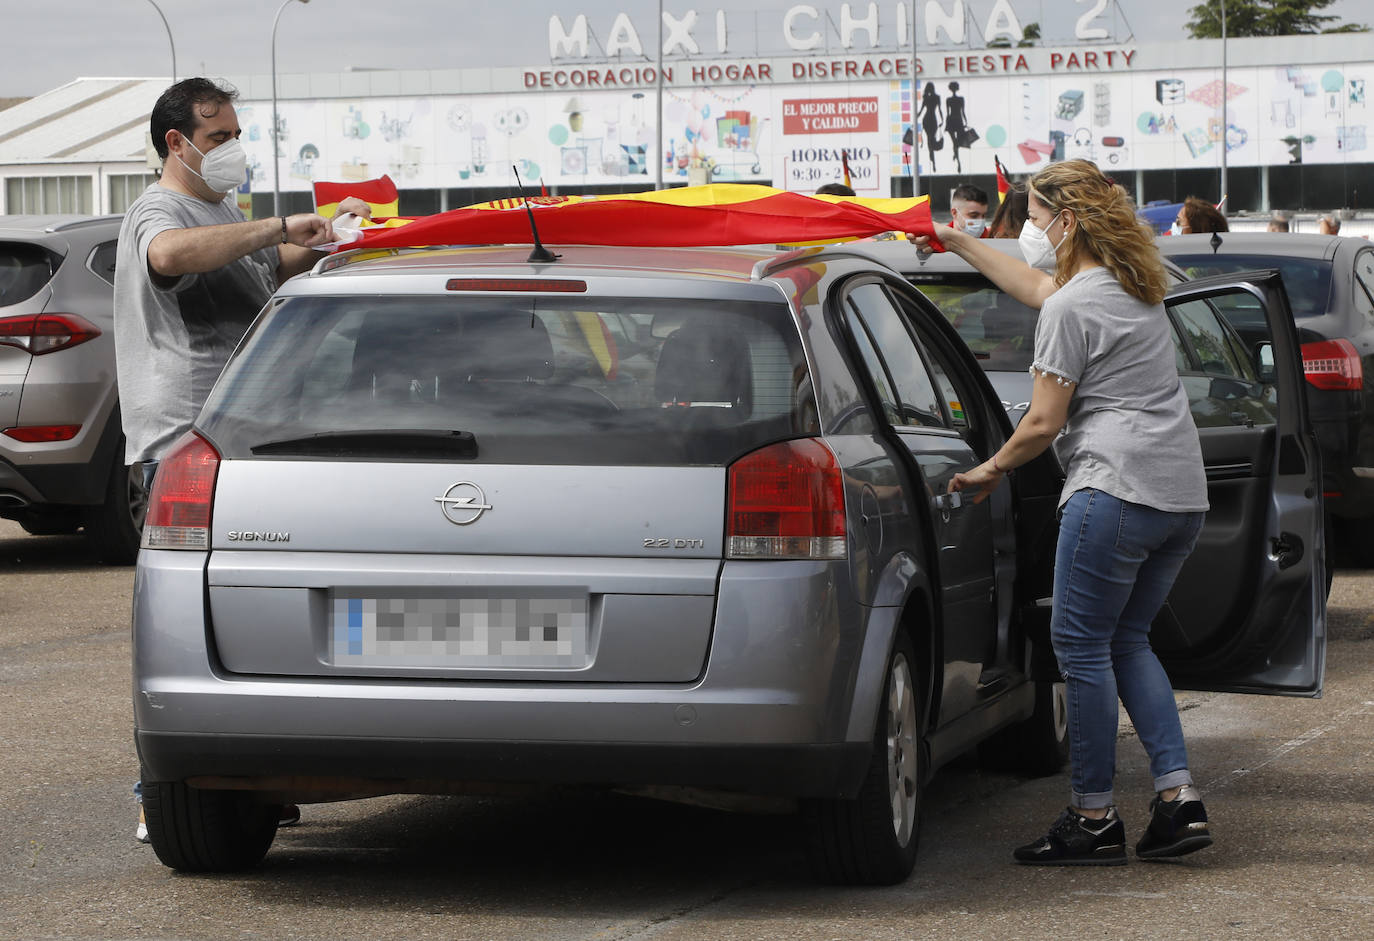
column 46, row 333
column 183, row 492
column 1332, row 364
column 786, row 501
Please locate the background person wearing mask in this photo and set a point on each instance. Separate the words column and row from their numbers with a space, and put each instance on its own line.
column 1329, row 224
column 1198, row 215
column 968, row 209
column 192, row 273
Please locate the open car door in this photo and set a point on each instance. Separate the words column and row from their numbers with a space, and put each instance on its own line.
column 1247, row 613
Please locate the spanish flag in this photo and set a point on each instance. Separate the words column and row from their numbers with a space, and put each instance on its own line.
column 716, row 214
column 1003, row 185
column 844, row 164
column 380, row 194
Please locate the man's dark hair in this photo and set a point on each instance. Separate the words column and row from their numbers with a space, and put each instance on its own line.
column 176, row 108
column 835, row 189
column 969, row 192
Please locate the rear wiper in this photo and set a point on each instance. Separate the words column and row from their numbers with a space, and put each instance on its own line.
column 382, row 442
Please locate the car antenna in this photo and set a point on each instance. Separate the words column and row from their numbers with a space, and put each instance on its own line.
column 540, row 253
column 1215, row 242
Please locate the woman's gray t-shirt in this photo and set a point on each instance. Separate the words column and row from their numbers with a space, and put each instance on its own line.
column 172, row 340
column 1130, row 432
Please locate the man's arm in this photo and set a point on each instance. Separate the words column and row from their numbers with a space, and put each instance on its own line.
column 176, row 252
column 293, row 259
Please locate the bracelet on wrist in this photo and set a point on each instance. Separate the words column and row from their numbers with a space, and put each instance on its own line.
column 283, row 230
column 995, row 466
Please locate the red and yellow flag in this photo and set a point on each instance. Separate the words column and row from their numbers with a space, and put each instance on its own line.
column 380, row 194
column 1003, row 185
column 716, row 214
column 844, row 165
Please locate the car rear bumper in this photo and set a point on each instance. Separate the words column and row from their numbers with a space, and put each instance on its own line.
column 771, row 713
column 318, row 766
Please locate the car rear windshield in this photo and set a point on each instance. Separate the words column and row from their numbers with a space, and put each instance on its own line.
column 998, row 328
column 514, row 380
column 24, row 268
column 1307, row 280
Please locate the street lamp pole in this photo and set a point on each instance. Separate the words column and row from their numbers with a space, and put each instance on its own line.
column 658, row 112
column 276, row 160
column 169, row 40
column 1223, row 101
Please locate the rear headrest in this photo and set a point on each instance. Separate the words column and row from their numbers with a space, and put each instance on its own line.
column 705, row 365
column 507, row 346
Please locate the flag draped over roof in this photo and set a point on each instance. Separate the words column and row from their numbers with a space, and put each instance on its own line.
column 717, row 214
column 380, row 194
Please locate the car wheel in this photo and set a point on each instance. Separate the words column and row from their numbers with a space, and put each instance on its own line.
column 116, row 526
column 194, row 830
column 1038, row 746
column 872, row 839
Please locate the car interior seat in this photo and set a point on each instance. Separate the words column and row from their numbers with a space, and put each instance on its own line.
column 706, row 366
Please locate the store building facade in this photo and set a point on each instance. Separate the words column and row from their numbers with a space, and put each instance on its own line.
column 1163, row 119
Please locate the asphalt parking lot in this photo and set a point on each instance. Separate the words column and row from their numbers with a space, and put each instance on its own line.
column 1289, row 785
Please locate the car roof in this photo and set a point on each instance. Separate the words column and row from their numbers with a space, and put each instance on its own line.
column 1287, row 244
column 726, row 263
column 29, row 224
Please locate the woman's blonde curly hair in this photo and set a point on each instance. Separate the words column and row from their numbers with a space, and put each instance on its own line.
column 1107, row 230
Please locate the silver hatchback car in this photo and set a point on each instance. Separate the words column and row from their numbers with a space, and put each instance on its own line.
column 634, row 517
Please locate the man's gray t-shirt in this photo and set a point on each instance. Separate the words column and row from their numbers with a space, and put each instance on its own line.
column 1130, row 432
column 171, row 342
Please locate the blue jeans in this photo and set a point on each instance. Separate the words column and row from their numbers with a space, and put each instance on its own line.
column 1113, row 569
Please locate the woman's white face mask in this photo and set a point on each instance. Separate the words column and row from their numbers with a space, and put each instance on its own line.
column 1036, row 246
column 224, row 168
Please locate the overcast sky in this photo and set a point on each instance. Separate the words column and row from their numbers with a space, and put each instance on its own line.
column 50, row 42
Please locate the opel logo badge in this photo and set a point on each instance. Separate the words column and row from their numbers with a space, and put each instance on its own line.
column 463, row 503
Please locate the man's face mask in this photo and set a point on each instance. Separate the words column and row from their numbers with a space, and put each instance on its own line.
column 975, row 227
column 223, row 168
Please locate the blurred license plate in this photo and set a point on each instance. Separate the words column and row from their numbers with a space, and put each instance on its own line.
column 459, row 632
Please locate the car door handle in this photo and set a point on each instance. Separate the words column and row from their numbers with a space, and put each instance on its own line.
column 948, row 501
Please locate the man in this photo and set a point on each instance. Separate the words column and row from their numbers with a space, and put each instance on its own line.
column 1278, row 224
column 968, row 209
column 191, row 274
column 1329, row 224
column 834, row 189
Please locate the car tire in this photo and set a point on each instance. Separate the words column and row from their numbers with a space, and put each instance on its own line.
column 872, row 838
column 116, row 526
column 195, row 830
column 1037, row 746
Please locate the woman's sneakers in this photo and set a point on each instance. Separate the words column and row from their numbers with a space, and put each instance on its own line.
column 1177, row 827
column 1076, row 840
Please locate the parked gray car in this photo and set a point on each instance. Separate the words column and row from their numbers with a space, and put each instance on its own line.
column 634, row 517
column 61, row 448
column 1330, row 285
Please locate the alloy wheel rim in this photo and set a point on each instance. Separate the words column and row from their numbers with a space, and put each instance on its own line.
column 901, row 750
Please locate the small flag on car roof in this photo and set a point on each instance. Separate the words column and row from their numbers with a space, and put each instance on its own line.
column 380, row 194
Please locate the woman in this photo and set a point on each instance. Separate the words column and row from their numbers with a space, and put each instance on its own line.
column 1010, row 217
column 1198, row 215
column 1133, row 499
column 931, row 119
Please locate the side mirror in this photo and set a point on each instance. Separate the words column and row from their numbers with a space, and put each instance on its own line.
column 1264, row 360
